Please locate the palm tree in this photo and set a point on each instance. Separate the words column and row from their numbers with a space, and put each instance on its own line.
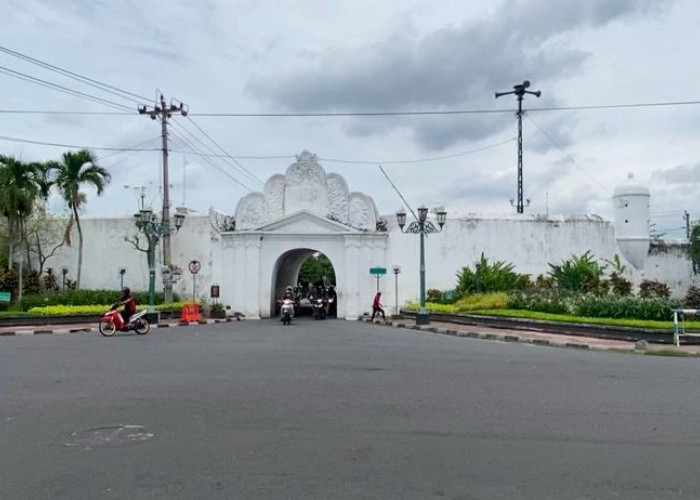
column 71, row 174
column 20, row 190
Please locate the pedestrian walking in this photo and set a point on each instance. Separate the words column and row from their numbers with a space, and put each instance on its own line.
column 377, row 306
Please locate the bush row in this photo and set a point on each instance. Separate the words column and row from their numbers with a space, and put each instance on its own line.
column 595, row 306
column 63, row 310
column 82, row 298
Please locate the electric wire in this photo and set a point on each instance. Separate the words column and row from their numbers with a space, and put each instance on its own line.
column 243, row 172
column 566, row 155
column 81, row 78
column 222, row 149
column 420, row 160
column 64, row 145
column 195, row 151
column 133, row 149
column 60, row 88
column 398, row 192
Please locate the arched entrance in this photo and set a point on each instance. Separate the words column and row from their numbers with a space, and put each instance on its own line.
column 286, row 272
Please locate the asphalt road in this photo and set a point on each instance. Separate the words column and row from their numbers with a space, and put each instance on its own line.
column 340, row 410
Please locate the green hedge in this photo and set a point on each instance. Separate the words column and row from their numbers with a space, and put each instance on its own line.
column 594, row 306
column 82, row 298
column 68, row 310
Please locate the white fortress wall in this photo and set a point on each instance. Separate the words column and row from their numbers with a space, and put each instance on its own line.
column 105, row 252
column 528, row 241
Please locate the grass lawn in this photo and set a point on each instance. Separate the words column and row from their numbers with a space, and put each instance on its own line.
column 634, row 323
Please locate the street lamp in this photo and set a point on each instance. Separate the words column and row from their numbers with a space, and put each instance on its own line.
column 422, row 227
column 153, row 229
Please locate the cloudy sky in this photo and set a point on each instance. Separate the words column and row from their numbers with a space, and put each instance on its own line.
column 227, row 57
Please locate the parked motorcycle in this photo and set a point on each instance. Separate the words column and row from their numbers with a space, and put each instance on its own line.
column 113, row 322
column 287, row 311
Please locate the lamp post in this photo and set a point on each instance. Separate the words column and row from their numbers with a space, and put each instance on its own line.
column 520, row 90
column 422, row 227
column 153, row 229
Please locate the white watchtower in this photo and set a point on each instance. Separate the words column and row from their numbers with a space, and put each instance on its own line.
column 631, row 207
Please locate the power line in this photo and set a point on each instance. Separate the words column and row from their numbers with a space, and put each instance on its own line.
column 225, row 156
column 224, row 151
column 565, row 154
column 60, row 88
column 444, row 112
column 70, row 74
column 376, row 113
column 62, row 145
column 132, row 150
column 419, row 160
column 195, row 151
column 57, row 112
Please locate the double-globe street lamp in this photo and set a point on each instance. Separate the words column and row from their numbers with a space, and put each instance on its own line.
column 422, row 227
column 153, row 229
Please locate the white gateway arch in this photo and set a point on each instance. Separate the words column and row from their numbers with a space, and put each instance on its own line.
column 273, row 232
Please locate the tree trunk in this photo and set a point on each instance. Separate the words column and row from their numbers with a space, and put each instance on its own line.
column 80, row 247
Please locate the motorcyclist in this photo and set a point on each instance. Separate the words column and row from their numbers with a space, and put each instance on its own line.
column 332, row 302
column 129, row 303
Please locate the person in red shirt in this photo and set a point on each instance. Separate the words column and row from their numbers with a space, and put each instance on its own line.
column 377, row 306
column 129, row 303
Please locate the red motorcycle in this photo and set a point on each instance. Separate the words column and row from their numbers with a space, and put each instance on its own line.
column 113, row 322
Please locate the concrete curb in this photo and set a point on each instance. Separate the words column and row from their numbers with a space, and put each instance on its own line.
column 508, row 337
column 90, row 329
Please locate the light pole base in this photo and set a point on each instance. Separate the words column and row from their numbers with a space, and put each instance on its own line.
column 422, row 318
column 152, row 317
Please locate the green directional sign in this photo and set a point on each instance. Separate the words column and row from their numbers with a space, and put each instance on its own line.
column 377, row 270
column 5, row 296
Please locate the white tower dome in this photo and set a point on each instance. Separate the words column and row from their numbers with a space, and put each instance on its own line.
column 631, row 207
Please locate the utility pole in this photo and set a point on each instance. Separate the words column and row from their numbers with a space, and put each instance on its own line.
column 163, row 112
column 520, row 90
column 686, row 216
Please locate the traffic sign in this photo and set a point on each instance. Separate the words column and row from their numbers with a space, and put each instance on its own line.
column 377, row 270
column 5, row 296
column 195, row 266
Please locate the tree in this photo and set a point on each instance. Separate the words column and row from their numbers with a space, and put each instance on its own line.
column 694, row 247
column 314, row 268
column 18, row 196
column 45, row 236
column 76, row 170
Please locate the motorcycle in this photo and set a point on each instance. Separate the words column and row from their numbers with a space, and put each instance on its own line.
column 112, row 322
column 287, row 311
column 320, row 306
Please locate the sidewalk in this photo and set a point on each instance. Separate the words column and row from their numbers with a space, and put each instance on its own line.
column 544, row 339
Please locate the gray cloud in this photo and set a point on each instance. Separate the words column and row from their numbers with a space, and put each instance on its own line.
column 452, row 67
column 682, row 174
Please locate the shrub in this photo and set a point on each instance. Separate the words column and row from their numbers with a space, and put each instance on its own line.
column 482, row 301
column 486, row 277
column 578, row 273
column 653, row 288
column 434, row 295
column 624, row 307
column 82, row 297
column 49, row 282
column 544, row 282
column 32, row 283
column 549, row 302
column 620, row 285
column 692, row 298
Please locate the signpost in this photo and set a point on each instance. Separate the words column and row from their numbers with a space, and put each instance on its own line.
column 194, row 267
column 377, row 271
column 397, row 271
